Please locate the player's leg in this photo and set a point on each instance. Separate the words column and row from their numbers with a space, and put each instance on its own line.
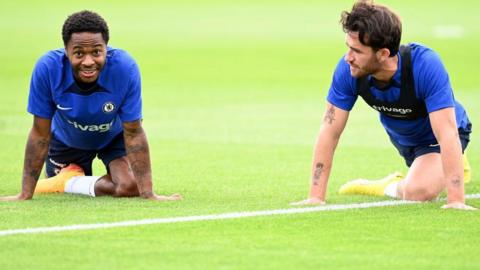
column 370, row 187
column 64, row 163
column 425, row 179
column 120, row 182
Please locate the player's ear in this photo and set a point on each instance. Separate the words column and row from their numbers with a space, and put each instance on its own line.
column 383, row 54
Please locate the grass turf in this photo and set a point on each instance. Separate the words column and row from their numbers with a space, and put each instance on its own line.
column 233, row 97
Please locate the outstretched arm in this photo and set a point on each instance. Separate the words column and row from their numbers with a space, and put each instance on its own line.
column 334, row 122
column 35, row 154
column 138, row 154
column 444, row 127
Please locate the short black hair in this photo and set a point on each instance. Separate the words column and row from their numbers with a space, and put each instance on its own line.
column 377, row 26
column 84, row 21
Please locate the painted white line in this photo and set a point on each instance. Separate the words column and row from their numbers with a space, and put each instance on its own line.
column 234, row 215
column 448, row 31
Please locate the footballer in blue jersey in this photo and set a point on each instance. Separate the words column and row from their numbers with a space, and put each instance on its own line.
column 86, row 103
column 410, row 89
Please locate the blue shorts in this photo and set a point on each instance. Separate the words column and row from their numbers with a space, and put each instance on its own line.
column 61, row 155
column 410, row 153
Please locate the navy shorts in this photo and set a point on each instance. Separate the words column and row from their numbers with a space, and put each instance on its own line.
column 410, row 153
column 61, row 155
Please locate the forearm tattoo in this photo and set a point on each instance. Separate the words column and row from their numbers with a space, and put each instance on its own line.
column 138, row 153
column 140, row 168
column 36, row 151
column 132, row 132
column 137, row 148
column 330, row 115
column 317, row 173
column 456, row 182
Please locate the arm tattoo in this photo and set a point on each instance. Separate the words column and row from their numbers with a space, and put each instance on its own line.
column 137, row 148
column 456, row 182
column 330, row 115
column 37, row 150
column 317, row 173
column 140, row 168
column 132, row 132
column 138, row 154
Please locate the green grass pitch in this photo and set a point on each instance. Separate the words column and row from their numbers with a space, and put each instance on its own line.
column 234, row 93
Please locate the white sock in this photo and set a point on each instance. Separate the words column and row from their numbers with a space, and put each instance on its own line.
column 391, row 190
column 82, row 185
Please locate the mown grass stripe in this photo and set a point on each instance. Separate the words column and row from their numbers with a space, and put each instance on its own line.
column 234, row 215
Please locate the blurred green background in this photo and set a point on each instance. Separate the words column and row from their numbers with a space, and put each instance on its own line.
column 233, row 95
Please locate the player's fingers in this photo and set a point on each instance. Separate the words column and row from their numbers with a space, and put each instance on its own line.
column 307, row 202
column 458, row 206
column 298, row 203
column 8, row 199
column 176, row 197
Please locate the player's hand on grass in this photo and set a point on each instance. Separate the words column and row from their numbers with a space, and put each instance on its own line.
column 18, row 197
column 309, row 201
column 173, row 197
column 458, row 206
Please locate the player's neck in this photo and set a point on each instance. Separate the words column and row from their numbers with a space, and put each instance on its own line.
column 387, row 70
column 86, row 86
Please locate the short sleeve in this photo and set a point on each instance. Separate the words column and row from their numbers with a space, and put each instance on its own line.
column 40, row 101
column 131, row 109
column 434, row 82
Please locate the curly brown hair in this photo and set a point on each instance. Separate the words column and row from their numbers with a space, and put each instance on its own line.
column 377, row 26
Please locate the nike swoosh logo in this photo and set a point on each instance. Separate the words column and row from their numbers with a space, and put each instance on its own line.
column 63, row 108
column 434, row 145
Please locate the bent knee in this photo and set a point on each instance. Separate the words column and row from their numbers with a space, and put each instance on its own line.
column 420, row 194
column 126, row 189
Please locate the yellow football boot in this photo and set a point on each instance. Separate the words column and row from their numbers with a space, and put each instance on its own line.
column 57, row 183
column 467, row 170
column 369, row 187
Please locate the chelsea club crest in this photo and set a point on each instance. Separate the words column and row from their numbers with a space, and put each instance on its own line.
column 108, row 107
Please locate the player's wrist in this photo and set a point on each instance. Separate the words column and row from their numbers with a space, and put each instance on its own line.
column 455, row 201
column 147, row 194
column 455, row 198
column 315, row 194
column 25, row 196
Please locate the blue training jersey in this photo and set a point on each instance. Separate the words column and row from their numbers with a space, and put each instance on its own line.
column 432, row 85
column 86, row 119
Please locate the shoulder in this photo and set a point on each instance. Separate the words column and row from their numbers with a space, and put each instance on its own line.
column 50, row 66
column 119, row 58
column 52, row 59
column 343, row 69
column 342, row 78
column 423, row 55
column 120, row 65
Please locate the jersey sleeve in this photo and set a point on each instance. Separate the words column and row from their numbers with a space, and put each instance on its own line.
column 131, row 109
column 435, row 83
column 40, row 101
column 342, row 92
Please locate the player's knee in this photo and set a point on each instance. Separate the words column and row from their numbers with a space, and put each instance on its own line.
column 418, row 193
column 126, row 189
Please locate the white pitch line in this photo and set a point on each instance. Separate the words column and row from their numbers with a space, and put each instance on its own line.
column 448, row 31
column 233, row 215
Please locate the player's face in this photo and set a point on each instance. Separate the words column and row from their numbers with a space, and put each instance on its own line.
column 361, row 59
column 87, row 53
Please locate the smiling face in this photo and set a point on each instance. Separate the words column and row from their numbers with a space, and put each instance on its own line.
column 362, row 59
column 87, row 54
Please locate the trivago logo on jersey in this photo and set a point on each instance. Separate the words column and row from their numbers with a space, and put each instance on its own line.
column 388, row 109
column 93, row 128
